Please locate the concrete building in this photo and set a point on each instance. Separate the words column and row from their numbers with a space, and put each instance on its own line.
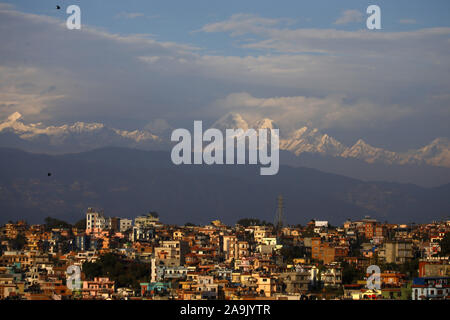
column 148, row 220
column 96, row 221
column 431, row 288
column 397, row 251
column 125, row 224
column 171, row 253
column 331, row 276
column 295, row 282
column 434, row 267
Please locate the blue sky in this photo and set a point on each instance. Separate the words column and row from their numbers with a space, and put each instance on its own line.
column 175, row 20
column 300, row 63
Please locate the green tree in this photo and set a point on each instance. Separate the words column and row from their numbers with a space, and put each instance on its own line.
column 19, row 242
column 154, row 214
column 189, row 224
column 81, row 224
column 126, row 273
column 291, row 252
column 309, row 232
column 350, row 274
column 246, row 222
column 51, row 223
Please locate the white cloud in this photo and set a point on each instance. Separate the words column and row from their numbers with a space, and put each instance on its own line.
column 295, row 111
column 349, row 16
column 27, row 90
column 333, row 41
column 242, row 23
column 360, row 78
column 97, row 73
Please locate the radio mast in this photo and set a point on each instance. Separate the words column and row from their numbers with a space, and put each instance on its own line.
column 279, row 214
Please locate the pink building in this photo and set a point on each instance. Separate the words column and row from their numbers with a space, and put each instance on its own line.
column 98, row 288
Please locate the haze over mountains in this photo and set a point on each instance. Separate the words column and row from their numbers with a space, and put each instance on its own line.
column 130, row 177
column 426, row 166
column 129, row 182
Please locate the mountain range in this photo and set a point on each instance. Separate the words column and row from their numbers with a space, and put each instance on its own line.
column 427, row 166
column 129, row 182
column 82, row 136
column 311, row 140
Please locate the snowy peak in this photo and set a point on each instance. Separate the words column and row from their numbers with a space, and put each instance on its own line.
column 14, row 117
column 136, row 135
column 81, row 136
column 437, row 145
column 74, row 137
column 265, row 123
column 297, row 134
column 231, row 121
column 79, row 127
column 436, row 153
column 311, row 141
column 360, row 148
column 363, row 151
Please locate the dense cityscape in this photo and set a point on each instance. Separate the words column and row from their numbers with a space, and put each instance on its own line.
column 111, row 258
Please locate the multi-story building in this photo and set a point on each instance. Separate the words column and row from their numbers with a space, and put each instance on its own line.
column 141, row 233
column 431, row 288
column 100, row 287
column 148, row 220
column 96, row 222
column 125, row 224
column 327, row 252
column 331, row 276
column 295, row 282
column 82, row 242
column 434, row 267
column 398, row 251
column 206, row 286
column 229, row 247
column 171, row 253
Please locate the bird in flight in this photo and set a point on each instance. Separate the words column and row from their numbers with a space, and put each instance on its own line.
column 58, row 7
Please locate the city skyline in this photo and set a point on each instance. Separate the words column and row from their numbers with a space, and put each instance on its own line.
column 101, row 258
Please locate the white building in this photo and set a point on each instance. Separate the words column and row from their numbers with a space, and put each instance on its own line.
column 125, row 224
column 96, row 221
column 431, row 288
column 148, row 220
column 321, row 224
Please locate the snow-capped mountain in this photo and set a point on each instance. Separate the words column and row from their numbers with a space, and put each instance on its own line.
column 82, row 136
column 437, row 153
column 75, row 137
column 230, row 121
column 265, row 123
column 311, row 140
column 236, row 121
column 363, row 151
